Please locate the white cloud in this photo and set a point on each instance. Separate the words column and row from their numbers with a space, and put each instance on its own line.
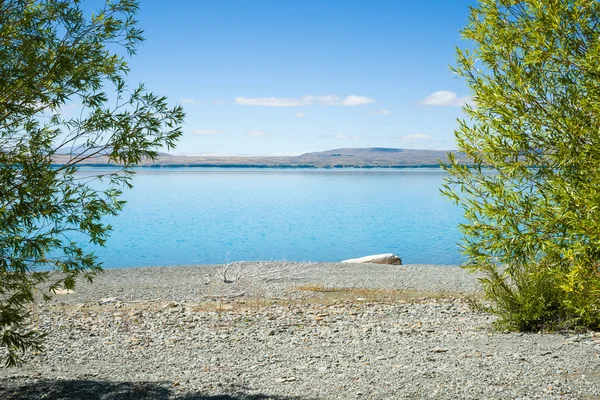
column 299, row 115
column 445, row 98
column 327, row 100
column 188, row 101
column 258, row 133
column 353, row 100
column 207, row 132
column 380, row 112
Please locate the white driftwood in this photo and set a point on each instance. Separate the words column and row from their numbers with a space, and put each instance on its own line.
column 388, row 258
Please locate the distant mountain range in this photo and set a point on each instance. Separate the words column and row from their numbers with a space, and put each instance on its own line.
column 370, row 157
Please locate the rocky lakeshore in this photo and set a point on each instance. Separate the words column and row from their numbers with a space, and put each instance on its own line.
column 293, row 331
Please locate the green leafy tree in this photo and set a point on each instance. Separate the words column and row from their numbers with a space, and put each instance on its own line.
column 54, row 56
column 532, row 198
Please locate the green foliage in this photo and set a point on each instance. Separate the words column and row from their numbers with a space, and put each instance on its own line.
column 53, row 57
column 533, row 224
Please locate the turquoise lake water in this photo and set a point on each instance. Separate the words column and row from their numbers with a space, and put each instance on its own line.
column 198, row 216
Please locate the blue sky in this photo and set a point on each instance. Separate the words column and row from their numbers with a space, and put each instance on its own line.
column 287, row 77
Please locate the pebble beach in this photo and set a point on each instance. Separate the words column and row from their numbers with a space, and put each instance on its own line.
column 293, row 331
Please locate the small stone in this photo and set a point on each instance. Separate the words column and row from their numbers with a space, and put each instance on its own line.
column 63, row 291
column 107, row 300
column 417, row 325
column 439, row 350
column 286, row 379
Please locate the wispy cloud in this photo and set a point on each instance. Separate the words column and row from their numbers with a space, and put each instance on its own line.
column 188, row 101
column 345, row 137
column 327, row 100
column 299, row 115
column 353, row 100
column 207, row 132
column 258, row 133
column 380, row 112
column 445, row 98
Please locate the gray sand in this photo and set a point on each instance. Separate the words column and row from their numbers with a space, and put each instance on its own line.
column 189, row 282
column 154, row 333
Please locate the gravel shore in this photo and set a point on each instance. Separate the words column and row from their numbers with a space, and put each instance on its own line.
column 293, row 331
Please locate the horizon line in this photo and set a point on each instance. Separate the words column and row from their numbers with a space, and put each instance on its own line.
column 216, row 154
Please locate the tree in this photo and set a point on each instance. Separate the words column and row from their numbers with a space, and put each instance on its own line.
column 532, row 198
column 53, row 57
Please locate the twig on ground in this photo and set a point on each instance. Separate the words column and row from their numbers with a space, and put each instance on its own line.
column 235, row 272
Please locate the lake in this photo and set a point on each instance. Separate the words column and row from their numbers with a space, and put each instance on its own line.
column 183, row 216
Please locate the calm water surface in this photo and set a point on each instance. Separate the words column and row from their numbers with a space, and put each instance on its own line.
column 198, row 216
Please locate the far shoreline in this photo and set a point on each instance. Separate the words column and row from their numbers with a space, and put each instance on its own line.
column 371, row 157
column 259, row 166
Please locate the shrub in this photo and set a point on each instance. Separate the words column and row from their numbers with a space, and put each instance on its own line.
column 52, row 57
column 532, row 198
